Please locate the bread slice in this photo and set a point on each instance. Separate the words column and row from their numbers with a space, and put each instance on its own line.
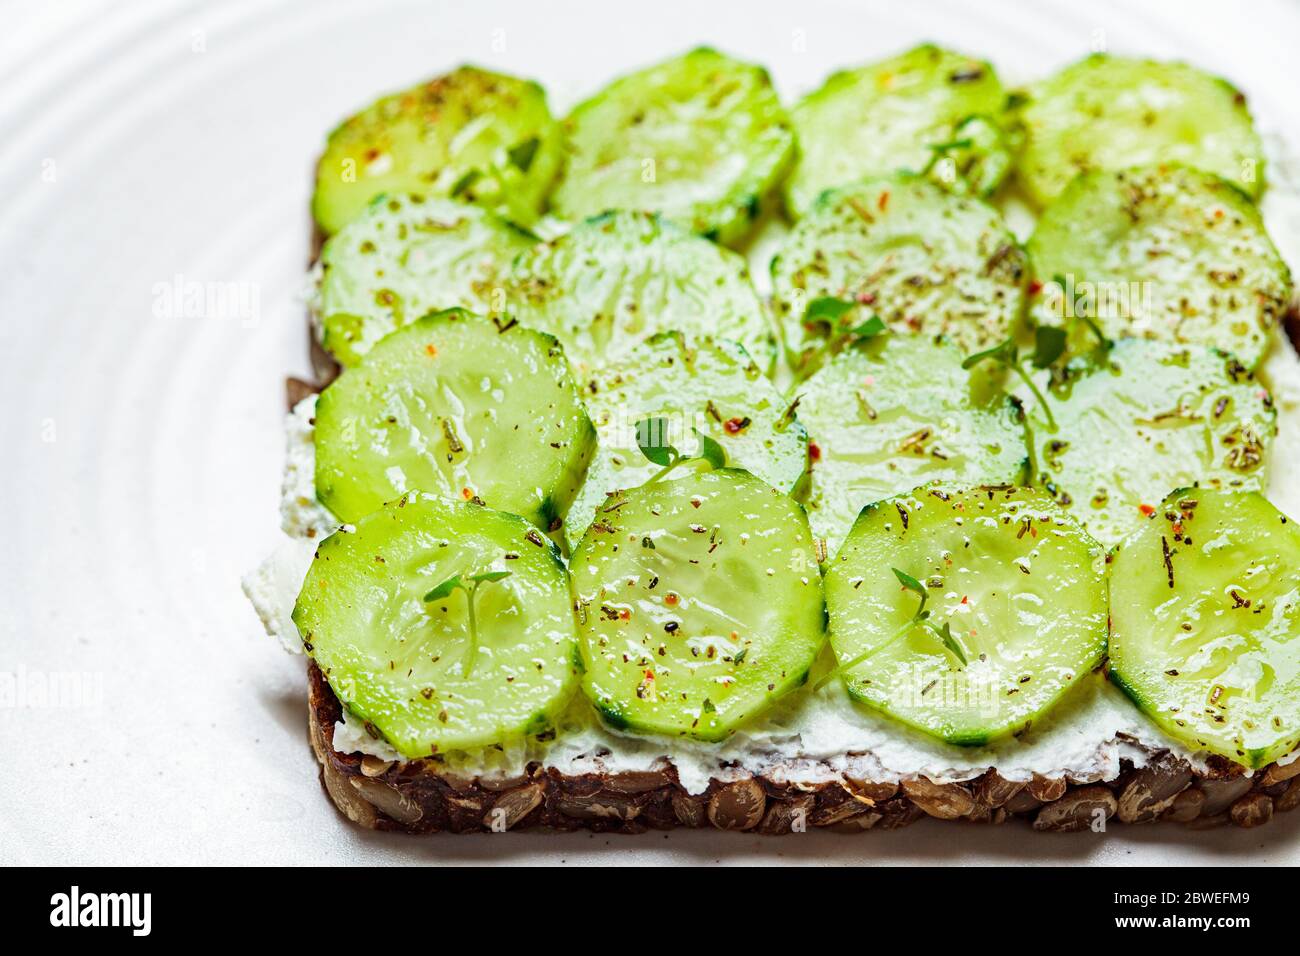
column 423, row 796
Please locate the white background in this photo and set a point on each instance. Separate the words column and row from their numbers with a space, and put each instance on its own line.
column 140, row 455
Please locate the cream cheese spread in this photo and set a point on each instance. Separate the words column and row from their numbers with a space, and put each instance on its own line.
column 301, row 515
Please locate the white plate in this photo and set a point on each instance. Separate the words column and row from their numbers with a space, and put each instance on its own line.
column 151, row 145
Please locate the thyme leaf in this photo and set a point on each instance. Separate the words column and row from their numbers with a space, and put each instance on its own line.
column 1104, row 342
column 469, row 584
column 827, row 313
column 652, row 439
column 444, row 589
column 827, row 310
column 711, row 451
column 1049, row 343
column 921, row 618
column 522, row 154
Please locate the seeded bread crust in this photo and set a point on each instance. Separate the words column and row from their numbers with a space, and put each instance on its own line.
column 421, row 796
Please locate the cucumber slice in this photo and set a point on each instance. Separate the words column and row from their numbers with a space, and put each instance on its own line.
column 474, row 135
column 1162, row 252
column 405, row 257
column 899, row 114
column 896, row 413
column 1154, row 416
column 1019, row 584
column 901, row 248
column 619, row 278
column 458, row 405
column 711, row 387
column 1205, row 623
column 413, row 669
column 701, row 138
column 699, row 604
column 1110, row 112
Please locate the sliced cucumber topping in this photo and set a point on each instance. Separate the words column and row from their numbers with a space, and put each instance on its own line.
column 701, row 138
column 710, row 387
column 1110, row 112
column 473, row 135
column 1153, row 417
column 1014, row 609
column 1162, row 252
column 1205, row 623
column 699, row 604
column 405, row 257
column 457, row 405
column 903, row 113
column 617, row 279
column 896, row 413
column 443, row 625
column 901, row 248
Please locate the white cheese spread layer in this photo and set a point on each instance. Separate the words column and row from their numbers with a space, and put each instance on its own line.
column 301, row 515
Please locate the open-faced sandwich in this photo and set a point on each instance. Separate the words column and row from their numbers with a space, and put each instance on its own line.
column 583, row 531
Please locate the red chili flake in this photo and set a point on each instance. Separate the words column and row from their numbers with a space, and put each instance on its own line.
column 1035, row 287
column 814, row 451
column 431, row 350
column 670, row 599
column 466, row 493
column 1147, row 510
column 734, row 426
column 883, row 202
column 625, row 615
column 965, row 599
column 866, row 298
column 1178, row 528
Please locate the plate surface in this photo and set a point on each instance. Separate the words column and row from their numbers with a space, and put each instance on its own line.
column 153, row 239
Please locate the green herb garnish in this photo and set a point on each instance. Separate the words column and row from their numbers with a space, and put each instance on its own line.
column 463, row 185
column 1049, row 345
column 1104, row 342
column 827, row 310
column 921, row 618
column 470, row 585
column 827, row 314
column 652, row 439
column 521, row 154
column 939, row 151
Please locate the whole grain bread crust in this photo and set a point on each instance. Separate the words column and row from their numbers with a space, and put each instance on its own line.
column 422, row 796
